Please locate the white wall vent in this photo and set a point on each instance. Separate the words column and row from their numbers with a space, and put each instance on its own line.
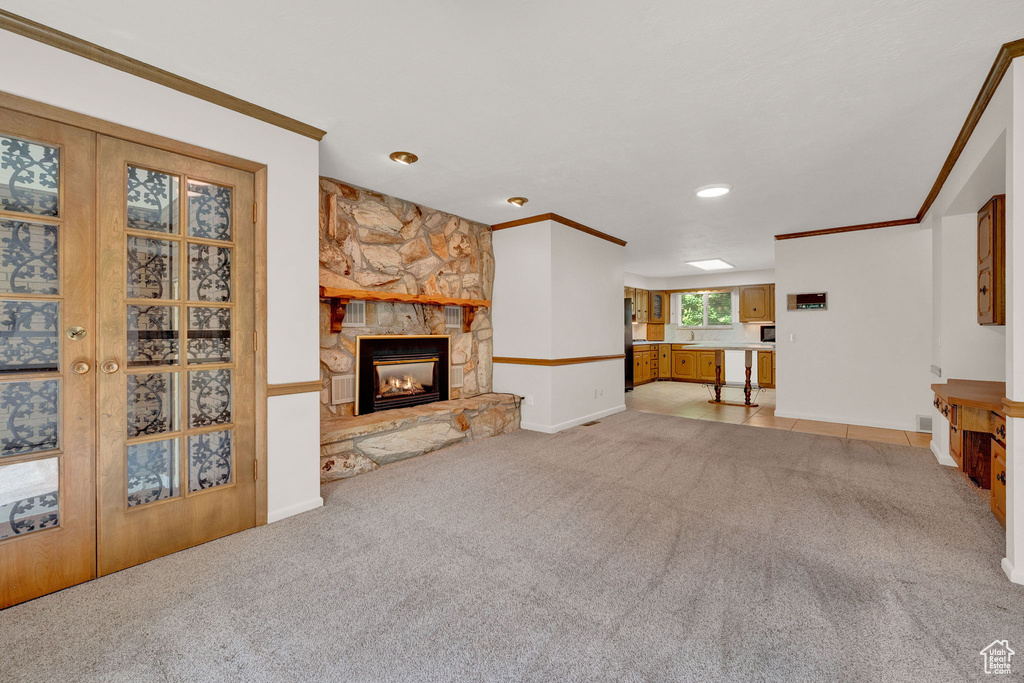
column 355, row 314
column 457, row 377
column 453, row 317
column 343, row 389
column 924, row 424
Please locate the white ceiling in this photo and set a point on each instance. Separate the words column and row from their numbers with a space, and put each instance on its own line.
column 818, row 112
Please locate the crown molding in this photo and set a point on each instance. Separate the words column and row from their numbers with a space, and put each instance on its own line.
column 116, row 60
column 847, row 228
column 559, row 219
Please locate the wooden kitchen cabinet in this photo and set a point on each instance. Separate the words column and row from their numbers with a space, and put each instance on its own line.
column 998, row 494
column 706, row 366
column 757, row 304
column 630, row 293
column 658, row 308
column 655, row 332
column 992, row 262
column 664, row 361
column 640, row 305
column 766, row 369
column 684, row 365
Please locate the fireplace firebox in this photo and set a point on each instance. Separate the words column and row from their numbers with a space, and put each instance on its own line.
column 397, row 371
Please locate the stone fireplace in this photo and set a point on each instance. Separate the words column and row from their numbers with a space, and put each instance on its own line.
column 398, row 257
column 398, row 371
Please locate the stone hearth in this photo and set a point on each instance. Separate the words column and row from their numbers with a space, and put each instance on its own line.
column 354, row 445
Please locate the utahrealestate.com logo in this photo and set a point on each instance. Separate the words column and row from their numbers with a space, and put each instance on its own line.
column 997, row 657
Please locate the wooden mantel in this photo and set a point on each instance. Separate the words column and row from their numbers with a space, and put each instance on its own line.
column 339, row 298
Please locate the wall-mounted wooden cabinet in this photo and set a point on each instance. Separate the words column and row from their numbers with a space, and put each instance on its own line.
column 766, row 369
column 655, row 332
column 992, row 262
column 757, row 304
column 658, row 308
column 630, row 293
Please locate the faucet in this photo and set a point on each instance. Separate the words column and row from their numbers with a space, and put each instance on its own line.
column 691, row 335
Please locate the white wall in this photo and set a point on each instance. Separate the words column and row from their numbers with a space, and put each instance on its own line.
column 58, row 78
column 558, row 294
column 864, row 360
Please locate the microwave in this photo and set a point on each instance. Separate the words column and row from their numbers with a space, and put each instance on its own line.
column 768, row 333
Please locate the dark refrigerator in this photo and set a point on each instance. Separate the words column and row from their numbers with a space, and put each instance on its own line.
column 628, row 305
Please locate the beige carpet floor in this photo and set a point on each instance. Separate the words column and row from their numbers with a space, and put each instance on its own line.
column 645, row 548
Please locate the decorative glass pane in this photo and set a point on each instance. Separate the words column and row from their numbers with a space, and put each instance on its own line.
column 29, row 416
column 209, row 398
column 28, row 258
column 28, row 336
column 152, row 201
column 152, row 472
column 209, row 273
column 209, row 211
column 152, row 335
column 209, row 335
column 209, row 460
column 152, row 403
column 29, row 174
column 152, row 269
column 29, row 497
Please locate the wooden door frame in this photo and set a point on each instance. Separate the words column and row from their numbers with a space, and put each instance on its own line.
column 259, row 171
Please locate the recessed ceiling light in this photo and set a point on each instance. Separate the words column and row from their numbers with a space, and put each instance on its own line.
column 711, row 264
column 404, row 157
column 518, row 201
column 713, row 190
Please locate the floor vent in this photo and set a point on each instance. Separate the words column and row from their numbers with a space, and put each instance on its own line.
column 355, row 314
column 924, row 424
column 591, row 423
column 343, row 389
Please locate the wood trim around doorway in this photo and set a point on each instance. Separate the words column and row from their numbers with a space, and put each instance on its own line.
column 45, row 111
column 564, row 221
column 115, row 60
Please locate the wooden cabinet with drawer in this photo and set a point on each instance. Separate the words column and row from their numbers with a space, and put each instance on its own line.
column 956, row 445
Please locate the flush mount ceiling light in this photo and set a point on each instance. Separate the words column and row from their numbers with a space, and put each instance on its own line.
column 518, row 201
column 711, row 264
column 713, row 190
column 404, row 157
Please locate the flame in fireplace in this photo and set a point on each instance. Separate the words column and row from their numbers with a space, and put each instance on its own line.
column 400, row 386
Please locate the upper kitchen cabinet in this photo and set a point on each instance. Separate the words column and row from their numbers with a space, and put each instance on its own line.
column 992, row 262
column 757, row 304
column 630, row 293
column 658, row 310
column 641, row 305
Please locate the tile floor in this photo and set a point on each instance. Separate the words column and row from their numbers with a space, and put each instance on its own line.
column 691, row 400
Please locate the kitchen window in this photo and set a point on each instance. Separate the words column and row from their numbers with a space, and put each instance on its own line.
column 704, row 309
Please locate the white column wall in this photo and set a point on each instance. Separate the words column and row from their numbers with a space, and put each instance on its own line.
column 49, row 75
column 1013, row 563
column 558, row 294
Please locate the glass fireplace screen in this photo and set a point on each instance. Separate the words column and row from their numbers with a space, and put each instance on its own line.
column 401, row 379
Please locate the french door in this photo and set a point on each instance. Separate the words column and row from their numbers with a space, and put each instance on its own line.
column 127, row 333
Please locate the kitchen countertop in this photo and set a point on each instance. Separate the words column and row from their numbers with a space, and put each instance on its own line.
column 725, row 345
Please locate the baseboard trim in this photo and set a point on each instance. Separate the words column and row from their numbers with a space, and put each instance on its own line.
column 837, row 420
column 551, row 429
column 292, row 510
column 943, row 458
column 1011, row 572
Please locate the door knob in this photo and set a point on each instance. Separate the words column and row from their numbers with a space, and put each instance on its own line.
column 109, row 367
column 81, row 367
